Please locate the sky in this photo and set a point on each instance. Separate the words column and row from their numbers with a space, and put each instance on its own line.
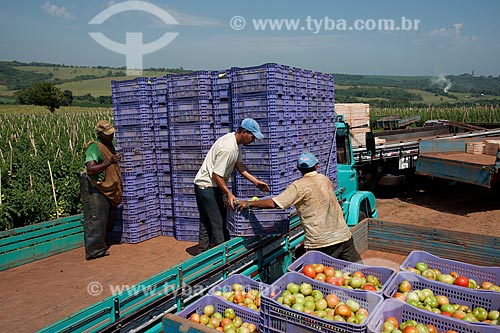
column 380, row 37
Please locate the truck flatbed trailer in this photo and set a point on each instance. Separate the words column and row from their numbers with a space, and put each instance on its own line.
column 448, row 159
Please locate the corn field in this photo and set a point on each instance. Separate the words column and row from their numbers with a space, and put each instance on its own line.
column 41, row 155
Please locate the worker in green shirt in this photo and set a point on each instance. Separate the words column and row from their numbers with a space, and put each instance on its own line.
column 101, row 189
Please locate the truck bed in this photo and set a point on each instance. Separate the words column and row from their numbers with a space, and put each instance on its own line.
column 474, row 159
column 447, row 159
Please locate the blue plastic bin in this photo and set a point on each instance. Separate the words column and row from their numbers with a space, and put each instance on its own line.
column 384, row 274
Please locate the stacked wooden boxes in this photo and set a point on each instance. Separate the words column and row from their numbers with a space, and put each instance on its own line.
column 357, row 115
column 491, row 147
column 486, row 147
column 474, row 148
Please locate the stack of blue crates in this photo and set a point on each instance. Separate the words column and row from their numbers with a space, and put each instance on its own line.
column 162, row 154
column 166, row 125
column 295, row 110
column 135, row 139
column 191, row 133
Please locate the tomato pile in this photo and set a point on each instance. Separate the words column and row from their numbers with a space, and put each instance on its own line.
column 305, row 299
column 229, row 322
column 354, row 280
column 423, row 269
column 440, row 304
column 238, row 295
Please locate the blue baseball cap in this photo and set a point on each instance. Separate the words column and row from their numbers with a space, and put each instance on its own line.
column 252, row 126
column 306, row 161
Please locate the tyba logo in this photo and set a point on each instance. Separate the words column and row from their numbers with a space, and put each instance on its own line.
column 134, row 48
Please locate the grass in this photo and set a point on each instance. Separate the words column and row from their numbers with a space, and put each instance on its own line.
column 68, row 73
column 429, row 97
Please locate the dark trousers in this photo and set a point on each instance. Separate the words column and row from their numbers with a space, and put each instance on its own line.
column 98, row 218
column 344, row 251
column 213, row 217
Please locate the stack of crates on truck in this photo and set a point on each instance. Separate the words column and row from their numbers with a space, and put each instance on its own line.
column 170, row 122
column 357, row 115
column 162, row 154
column 138, row 218
column 191, row 133
column 294, row 108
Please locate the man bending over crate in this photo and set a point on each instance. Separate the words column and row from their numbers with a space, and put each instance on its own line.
column 314, row 198
column 210, row 181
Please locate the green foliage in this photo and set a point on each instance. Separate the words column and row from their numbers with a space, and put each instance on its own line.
column 466, row 83
column 44, row 94
column 16, row 79
column 29, row 139
column 395, row 95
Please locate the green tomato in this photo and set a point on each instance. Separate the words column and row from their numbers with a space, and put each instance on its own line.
column 480, row 313
column 293, row 288
column 421, row 266
column 229, row 313
column 431, row 301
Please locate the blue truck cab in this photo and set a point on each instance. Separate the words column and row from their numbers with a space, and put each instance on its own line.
column 356, row 205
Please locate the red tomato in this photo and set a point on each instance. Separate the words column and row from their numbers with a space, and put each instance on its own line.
column 329, row 271
column 358, row 274
column 309, row 271
column 370, row 287
column 462, row 281
column 319, row 268
column 410, row 329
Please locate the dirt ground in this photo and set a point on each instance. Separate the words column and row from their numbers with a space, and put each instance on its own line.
column 40, row 293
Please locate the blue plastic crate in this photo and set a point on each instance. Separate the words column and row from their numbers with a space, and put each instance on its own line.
column 384, row 274
column 189, row 110
column 122, row 98
column 478, row 273
column 264, row 165
column 182, row 183
column 455, row 294
column 195, row 78
column 187, row 229
column 278, row 318
column 185, row 210
column 150, row 231
column 140, row 83
column 220, row 305
column 258, row 222
column 143, row 120
column 403, row 312
column 164, row 167
column 181, row 157
column 139, row 192
column 260, row 106
column 160, row 84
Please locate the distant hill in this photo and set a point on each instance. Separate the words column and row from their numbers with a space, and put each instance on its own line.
column 95, row 82
column 465, row 83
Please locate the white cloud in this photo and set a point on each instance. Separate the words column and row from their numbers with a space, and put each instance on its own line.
column 192, row 20
column 57, row 11
column 452, row 33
